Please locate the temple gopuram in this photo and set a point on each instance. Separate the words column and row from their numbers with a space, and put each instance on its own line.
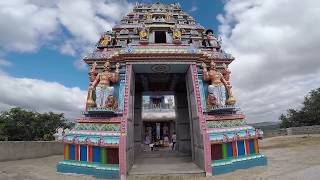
column 159, row 84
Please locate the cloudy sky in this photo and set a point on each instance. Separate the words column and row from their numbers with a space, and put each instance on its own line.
column 276, row 44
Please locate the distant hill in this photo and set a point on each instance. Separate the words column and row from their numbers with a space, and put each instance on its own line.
column 266, row 125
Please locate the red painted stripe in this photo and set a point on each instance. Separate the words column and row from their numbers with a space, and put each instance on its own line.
column 90, row 154
column 247, row 146
column 234, row 149
column 76, row 153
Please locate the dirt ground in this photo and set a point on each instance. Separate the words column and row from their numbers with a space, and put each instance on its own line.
column 289, row 157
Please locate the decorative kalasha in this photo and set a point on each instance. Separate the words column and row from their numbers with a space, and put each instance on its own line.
column 164, row 36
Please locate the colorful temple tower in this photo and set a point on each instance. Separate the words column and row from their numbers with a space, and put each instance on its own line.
column 156, row 49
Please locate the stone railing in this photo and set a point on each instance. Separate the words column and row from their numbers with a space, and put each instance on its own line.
column 15, row 150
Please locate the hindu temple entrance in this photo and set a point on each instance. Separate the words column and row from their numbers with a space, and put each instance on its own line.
column 162, row 127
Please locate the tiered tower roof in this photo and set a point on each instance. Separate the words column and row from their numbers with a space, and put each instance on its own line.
column 162, row 31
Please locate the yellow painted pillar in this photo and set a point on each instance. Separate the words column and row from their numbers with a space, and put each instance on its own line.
column 66, row 152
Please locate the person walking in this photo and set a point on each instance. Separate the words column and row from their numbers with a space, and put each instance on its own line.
column 173, row 140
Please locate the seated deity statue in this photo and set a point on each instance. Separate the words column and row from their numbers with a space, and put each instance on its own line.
column 176, row 36
column 212, row 40
column 149, row 16
column 104, row 41
column 102, row 85
column 217, row 88
column 168, row 16
column 143, row 33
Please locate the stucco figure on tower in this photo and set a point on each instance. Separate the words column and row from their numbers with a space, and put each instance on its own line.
column 218, row 86
column 231, row 100
column 212, row 40
column 102, row 84
column 143, row 34
column 176, row 33
column 91, row 94
column 104, row 41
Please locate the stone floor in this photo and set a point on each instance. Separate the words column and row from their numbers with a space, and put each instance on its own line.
column 289, row 157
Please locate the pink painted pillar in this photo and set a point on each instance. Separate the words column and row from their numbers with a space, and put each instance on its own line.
column 202, row 121
column 123, row 136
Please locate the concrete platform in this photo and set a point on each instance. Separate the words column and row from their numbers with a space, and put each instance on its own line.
column 164, row 163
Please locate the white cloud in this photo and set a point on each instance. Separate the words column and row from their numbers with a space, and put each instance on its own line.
column 86, row 20
column 40, row 96
column 276, row 46
column 79, row 19
column 26, row 25
column 194, row 8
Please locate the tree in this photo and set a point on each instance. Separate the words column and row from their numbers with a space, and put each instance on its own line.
column 17, row 124
column 308, row 115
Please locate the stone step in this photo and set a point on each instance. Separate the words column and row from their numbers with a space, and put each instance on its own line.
column 171, row 176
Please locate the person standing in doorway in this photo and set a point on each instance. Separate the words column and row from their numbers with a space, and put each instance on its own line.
column 173, row 140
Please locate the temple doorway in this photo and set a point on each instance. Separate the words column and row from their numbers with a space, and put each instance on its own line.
column 162, row 125
column 157, row 135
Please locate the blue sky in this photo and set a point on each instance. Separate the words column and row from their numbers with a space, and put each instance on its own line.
column 276, row 45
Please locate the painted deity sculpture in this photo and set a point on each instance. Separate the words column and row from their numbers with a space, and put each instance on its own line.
column 217, row 88
column 212, row 40
column 176, row 36
column 231, row 100
column 143, row 34
column 102, row 85
column 168, row 16
column 149, row 16
column 104, row 41
column 92, row 76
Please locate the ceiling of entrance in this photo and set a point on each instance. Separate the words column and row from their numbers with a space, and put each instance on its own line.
column 160, row 68
column 160, row 82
